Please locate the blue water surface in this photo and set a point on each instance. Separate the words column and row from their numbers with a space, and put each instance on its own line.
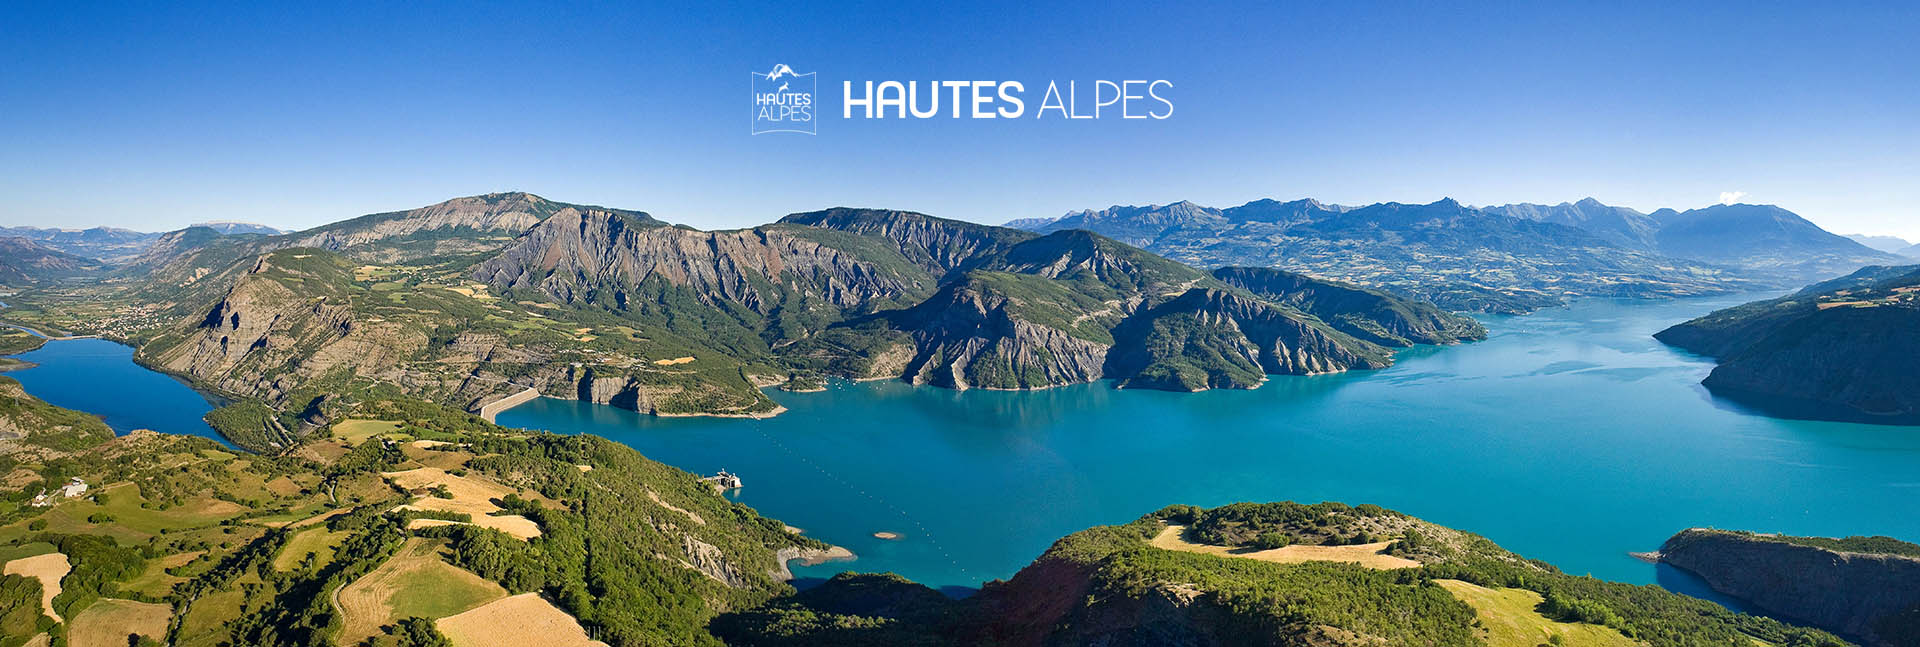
column 99, row 377
column 1570, row 436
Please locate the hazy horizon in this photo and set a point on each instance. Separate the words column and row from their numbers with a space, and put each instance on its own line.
column 1218, row 205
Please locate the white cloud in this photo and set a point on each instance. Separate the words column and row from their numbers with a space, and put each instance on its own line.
column 1730, row 197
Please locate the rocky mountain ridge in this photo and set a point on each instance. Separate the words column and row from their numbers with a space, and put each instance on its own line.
column 612, row 306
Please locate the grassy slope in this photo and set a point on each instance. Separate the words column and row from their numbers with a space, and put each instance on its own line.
column 1111, row 584
column 205, row 525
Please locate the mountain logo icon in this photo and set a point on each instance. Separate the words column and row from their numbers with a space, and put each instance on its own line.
column 783, row 101
column 779, row 70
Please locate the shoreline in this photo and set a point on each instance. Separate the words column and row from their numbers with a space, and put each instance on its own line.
column 808, row 557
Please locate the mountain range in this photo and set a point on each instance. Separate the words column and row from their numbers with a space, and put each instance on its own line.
column 1889, row 244
column 25, row 261
column 110, row 245
column 1509, row 258
column 473, row 299
column 476, row 298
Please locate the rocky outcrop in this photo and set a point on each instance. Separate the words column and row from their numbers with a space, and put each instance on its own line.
column 939, row 245
column 607, row 259
column 1371, row 315
column 1874, row 597
column 1842, row 350
column 265, row 340
column 969, row 336
column 1213, row 338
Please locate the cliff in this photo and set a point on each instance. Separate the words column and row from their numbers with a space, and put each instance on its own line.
column 1842, row 349
column 1873, row 596
column 609, row 260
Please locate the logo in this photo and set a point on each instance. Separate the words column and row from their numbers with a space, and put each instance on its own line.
column 783, row 102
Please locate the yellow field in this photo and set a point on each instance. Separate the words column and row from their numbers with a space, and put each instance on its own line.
column 415, row 582
column 319, row 542
column 108, row 621
column 48, row 568
column 154, row 580
column 357, row 431
column 1368, row 555
column 471, row 495
column 1509, row 620
column 525, row 620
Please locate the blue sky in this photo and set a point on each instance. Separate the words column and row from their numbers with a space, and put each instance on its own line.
column 152, row 115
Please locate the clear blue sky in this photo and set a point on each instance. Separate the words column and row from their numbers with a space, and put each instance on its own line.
column 152, row 116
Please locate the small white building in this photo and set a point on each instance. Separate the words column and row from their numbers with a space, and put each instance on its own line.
column 724, row 480
column 73, row 488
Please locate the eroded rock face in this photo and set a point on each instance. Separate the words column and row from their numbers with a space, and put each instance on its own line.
column 606, row 259
column 1854, row 594
column 937, row 244
column 263, row 340
column 967, row 337
column 1246, row 339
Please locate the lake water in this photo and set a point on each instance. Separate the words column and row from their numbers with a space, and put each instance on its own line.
column 99, row 377
column 1570, row 436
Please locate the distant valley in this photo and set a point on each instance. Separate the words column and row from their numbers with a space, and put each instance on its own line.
column 1511, row 258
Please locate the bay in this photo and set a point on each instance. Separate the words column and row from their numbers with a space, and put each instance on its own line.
column 1570, row 435
column 100, row 377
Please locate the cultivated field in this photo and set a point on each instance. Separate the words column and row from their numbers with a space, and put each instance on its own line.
column 415, row 582
column 357, row 431
column 1508, row 618
column 1368, row 555
column 48, row 568
column 471, row 495
column 319, row 542
column 108, row 622
column 525, row 620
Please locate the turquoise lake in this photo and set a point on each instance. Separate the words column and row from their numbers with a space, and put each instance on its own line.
column 1569, row 436
column 99, row 377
